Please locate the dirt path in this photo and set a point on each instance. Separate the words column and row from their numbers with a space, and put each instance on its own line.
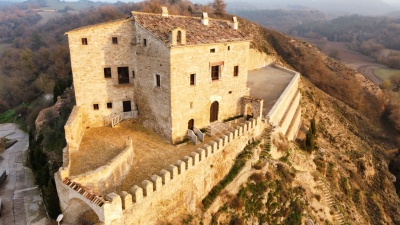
column 21, row 200
column 352, row 59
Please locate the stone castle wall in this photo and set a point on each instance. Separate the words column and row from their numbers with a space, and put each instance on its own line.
column 109, row 176
column 91, row 86
column 176, row 189
column 194, row 101
column 154, row 103
column 75, row 129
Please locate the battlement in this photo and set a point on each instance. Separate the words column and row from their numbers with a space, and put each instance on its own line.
column 174, row 180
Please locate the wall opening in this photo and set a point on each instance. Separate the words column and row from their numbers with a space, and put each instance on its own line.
column 214, row 111
column 179, row 37
column 126, row 106
column 191, row 124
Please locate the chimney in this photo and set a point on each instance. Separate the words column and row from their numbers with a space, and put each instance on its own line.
column 164, row 12
column 235, row 23
column 204, row 19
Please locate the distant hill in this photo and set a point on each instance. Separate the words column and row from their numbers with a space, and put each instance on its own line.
column 283, row 20
column 339, row 7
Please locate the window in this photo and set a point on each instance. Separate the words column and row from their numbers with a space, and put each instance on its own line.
column 158, row 80
column 179, row 37
column 229, row 48
column 145, row 42
column 236, row 71
column 115, row 40
column 109, row 105
column 215, row 72
column 96, row 106
column 192, row 79
column 123, row 75
column 107, row 72
column 133, row 74
column 191, row 105
column 212, row 50
column 84, row 41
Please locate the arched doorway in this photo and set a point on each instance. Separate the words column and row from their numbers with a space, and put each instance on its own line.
column 214, row 111
column 191, row 124
column 80, row 213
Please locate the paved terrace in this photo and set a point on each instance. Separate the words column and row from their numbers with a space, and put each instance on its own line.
column 268, row 83
column 152, row 153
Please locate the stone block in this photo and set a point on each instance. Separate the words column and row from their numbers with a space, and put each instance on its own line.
column 230, row 135
column 226, row 139
column 127, row 201
column 202, row 154
column 245, row 127
column 235, row 133
column 189, row 162
column 214, row 146
column 196, row 158
column 220, row 143
column 173, row 170
column 181, row 166
column 137, row 193
column 240, row 131
column 157, row 182
column 147, row 188
column 208, row 150
column 166, row 176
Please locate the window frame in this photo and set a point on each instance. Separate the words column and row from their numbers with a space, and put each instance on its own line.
column 157, row 80
column 114, row 40
column 109, row 105
column 212, row 50
column 106, row 75
column 96, row 106
column 84, row 41
column 236, row 71
column 123, row 79
column 193, row 79
column 218, row 71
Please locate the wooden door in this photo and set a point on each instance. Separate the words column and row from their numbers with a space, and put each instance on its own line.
column 214, row 111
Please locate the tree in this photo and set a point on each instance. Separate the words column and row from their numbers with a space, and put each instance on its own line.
column 219, row 6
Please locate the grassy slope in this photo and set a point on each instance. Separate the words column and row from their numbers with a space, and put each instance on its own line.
column 385, row 73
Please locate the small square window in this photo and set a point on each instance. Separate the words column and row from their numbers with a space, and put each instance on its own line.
column 96, row 106
column 145, row 42
column 107, row 72
column 115, row 40
column 230, row 92
column 212, row 50
column 158, row 80
column 84, row 41
column 109, row 105
column 236, row 71
column 192, row 79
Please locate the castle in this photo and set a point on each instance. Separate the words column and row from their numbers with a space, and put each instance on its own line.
column 174, row 72
column 175, row 75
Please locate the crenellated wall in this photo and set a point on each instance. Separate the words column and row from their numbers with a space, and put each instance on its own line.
column 175, row 189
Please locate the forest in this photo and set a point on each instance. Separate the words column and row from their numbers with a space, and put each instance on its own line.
column 369, row 35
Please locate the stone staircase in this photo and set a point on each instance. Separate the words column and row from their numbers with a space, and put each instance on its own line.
column 266, row 136
column 338, row 216
column 217, row 127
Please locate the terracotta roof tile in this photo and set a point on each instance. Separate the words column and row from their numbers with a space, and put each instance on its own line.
column 218, row 31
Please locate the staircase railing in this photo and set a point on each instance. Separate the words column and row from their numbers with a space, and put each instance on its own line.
column 192, row 136
column 198, row 134
column 123, row 116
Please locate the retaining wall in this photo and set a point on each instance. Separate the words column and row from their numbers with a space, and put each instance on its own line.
column 75, row 128
column 109, row 176
column 176, row 189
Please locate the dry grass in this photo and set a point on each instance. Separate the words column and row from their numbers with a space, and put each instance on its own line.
column 152, row 153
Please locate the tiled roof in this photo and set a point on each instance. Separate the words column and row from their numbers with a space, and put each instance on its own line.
column 218, row 31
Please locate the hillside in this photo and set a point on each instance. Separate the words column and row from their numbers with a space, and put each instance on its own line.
column 347, row 169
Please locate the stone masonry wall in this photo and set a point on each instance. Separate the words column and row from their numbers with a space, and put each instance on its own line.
column 259, row 59
column 109, row 176
column 194, row 101
column 176, row 189
column 154, row 103
column 74, row 129
column 91, row 86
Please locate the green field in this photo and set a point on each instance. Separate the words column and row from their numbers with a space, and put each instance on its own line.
column 385, row 73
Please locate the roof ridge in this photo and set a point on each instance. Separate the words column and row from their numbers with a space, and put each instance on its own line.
column 182, row 16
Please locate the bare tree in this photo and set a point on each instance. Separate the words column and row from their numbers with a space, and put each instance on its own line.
column 219, row 6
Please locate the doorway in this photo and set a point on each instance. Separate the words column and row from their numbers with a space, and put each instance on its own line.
column 191, row 124
column 126, row 106
column 214, row 111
